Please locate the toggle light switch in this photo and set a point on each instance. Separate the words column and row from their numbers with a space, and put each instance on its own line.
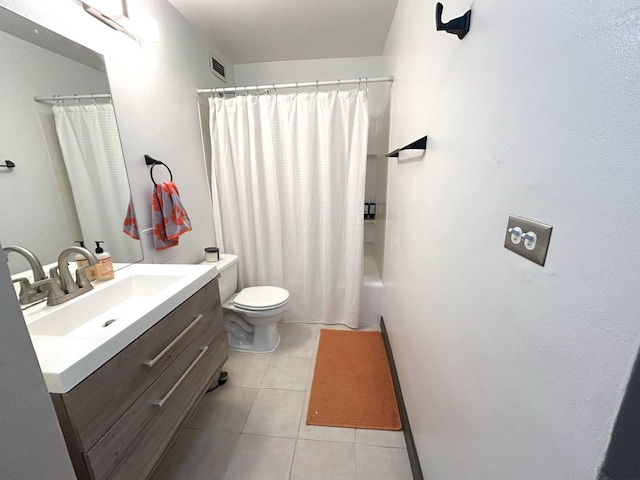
column 530, row 240
column 516, row 235
column 533, row 244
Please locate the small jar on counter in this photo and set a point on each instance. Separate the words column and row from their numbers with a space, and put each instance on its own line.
column 211, row 254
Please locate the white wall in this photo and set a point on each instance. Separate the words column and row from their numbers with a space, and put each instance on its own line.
column 43, row 226
column 154, row 92
column 510, row 370
column 31, row 443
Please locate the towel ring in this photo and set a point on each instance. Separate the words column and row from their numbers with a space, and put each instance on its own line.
column 153, row 162
column 165, row 166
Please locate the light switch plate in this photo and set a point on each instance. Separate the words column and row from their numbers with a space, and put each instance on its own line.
column 543, row 232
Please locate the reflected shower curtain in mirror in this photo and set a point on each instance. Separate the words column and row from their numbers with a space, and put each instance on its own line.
column 288, row 179
column 92, row 154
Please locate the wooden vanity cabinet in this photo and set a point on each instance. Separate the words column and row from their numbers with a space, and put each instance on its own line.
column 119, row 421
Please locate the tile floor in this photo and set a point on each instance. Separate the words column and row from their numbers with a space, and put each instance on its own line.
column 253, row 427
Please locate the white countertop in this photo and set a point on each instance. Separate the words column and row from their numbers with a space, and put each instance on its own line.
column 67, row 359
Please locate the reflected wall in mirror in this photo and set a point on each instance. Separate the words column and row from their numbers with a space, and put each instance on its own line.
column 69, row 182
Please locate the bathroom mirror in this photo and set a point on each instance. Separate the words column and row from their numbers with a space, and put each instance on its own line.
column 69, row 181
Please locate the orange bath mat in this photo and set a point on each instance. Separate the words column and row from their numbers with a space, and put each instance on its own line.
column 352, row 384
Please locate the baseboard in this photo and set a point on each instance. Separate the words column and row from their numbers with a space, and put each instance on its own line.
column 603, row 476
column 416, row 470
column 622, row 460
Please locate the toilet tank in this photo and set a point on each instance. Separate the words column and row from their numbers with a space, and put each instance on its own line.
column 228, row 271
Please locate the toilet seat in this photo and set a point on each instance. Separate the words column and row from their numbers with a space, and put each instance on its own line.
column 259, row 299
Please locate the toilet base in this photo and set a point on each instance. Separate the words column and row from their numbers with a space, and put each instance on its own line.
column 263, row 338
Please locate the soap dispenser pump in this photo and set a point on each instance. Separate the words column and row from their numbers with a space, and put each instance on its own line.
column 104, row 267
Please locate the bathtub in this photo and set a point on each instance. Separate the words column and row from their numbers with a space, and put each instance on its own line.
column 370, row 294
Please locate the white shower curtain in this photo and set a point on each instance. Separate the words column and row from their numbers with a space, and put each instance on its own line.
column 90, row 145
column 288, row 188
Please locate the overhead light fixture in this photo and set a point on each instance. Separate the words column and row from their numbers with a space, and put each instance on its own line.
column 110, row 12
column 124, row 16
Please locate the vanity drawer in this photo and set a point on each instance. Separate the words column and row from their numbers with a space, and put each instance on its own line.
column 143, row 454
column 102, row 398
column 114, row 447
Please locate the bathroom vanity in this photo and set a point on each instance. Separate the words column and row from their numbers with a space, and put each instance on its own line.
column 121, row 403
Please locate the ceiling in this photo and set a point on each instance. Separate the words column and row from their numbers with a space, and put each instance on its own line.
column 249, row 31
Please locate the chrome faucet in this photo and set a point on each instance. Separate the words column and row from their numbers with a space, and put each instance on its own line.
column 70, row 288
column 29, row 292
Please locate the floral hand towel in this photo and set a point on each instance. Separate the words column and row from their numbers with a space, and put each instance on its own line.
column 130, row 224
column 169, row 218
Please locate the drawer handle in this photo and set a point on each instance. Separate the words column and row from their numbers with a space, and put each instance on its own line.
column 151, row 363
column 164, row 399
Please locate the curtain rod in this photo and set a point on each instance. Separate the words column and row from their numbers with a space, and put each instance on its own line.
column 55, row 98
column 277, row 86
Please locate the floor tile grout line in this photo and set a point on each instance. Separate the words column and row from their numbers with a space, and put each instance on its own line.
column 282, row 388
column 301, row 419
column 265, row 371
column 355, row 448
column 267, row 436
column 335, row 442
column 235, row 448
column 249, row 411
column 382, row 446
column 293, row 458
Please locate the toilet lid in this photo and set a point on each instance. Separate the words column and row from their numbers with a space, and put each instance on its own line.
column 261, row 298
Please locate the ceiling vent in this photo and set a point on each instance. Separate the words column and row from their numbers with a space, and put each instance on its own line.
column 216, row 68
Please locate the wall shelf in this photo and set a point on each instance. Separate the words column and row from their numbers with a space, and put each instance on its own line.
column 420, row 144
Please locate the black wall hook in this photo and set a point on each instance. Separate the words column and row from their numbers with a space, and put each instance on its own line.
column 458, row 26
column 8, row 164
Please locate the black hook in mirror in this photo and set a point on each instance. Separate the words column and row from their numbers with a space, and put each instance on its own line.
column 458, row 26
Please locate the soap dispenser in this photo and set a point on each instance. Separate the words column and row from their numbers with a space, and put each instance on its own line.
column 82, row 261
column 104, row 267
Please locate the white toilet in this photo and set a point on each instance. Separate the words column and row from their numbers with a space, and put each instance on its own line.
column 251, row 315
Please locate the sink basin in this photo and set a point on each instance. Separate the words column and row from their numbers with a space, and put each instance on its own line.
column 121, row 299
column 74, row 339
